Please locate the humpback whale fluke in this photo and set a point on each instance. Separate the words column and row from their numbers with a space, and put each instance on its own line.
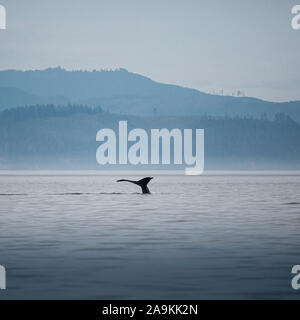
column 142, row 183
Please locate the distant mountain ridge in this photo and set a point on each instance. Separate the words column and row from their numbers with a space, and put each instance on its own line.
column 14, row 97
column 124, row 92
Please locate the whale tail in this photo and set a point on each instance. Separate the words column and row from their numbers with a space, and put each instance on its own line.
column 143, row 183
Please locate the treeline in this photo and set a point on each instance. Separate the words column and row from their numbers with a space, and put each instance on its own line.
column 52, row 111
column 46, row 111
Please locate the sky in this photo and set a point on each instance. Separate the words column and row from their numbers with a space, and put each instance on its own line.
column 209, row 45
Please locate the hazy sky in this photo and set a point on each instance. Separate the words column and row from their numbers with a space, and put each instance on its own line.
column 205, row 44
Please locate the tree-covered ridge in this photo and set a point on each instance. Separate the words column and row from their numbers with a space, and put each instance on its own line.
column 65, row 137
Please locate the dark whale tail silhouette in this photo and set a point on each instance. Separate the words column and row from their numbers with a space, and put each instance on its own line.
column 143, row 183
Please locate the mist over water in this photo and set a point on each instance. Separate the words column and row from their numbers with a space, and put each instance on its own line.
column 211, row 236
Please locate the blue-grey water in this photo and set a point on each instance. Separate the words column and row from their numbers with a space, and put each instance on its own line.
column 204, row 237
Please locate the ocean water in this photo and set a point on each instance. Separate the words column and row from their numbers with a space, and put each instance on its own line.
column 206, row 237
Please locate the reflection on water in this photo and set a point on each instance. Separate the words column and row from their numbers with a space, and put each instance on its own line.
column 227, row 236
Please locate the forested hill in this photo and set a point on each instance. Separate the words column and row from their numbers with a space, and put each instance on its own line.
column 48, row 137
column 125, row 92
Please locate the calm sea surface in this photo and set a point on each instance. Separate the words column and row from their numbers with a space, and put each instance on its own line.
column 88, row 237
